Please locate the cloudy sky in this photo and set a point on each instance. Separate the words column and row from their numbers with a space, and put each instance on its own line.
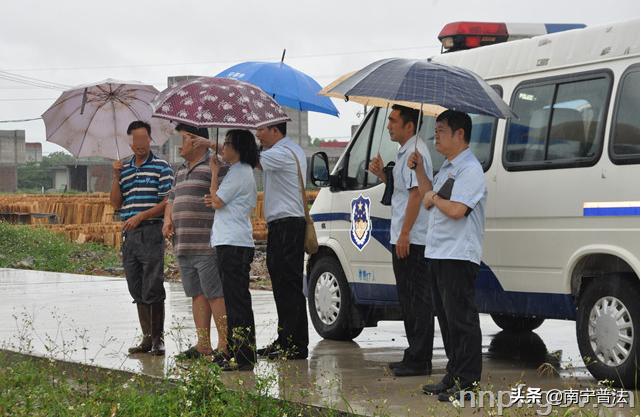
column 73, row 42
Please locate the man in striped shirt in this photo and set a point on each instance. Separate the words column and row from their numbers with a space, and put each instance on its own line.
column 188, row 221
column 139, row 191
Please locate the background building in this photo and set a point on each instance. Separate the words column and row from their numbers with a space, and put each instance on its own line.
column 33, row 152
column 12, row 153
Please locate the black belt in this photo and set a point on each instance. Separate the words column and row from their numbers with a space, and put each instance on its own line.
column 151, row 222
column 285, row 220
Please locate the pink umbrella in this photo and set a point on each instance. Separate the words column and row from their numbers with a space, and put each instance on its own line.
column 218, row 102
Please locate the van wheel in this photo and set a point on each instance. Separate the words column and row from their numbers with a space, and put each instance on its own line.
column 607, row 329
column 330, row 301
column 516, row 324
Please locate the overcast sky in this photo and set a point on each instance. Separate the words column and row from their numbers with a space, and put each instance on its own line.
column 75, row 42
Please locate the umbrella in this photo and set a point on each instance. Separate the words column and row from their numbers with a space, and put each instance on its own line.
column 218, row 102
column 421, row 84
column 288, row 86
column 92, row 119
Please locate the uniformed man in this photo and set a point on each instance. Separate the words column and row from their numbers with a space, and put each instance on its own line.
column 407, row 235
column 453, row 250
column 285, row 216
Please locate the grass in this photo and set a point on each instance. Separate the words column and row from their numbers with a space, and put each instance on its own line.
column 40, row 249
column 40, row 387
column 26, row 247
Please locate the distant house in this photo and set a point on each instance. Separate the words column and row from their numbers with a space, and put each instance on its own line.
column 33, row 152
column 87, row 175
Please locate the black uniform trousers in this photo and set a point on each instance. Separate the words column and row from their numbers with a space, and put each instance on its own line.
column 458, row 317
column 414, row 287
column 234, row 263
column 285, row 256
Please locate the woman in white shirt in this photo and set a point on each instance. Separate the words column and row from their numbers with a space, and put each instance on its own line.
column 231, row 234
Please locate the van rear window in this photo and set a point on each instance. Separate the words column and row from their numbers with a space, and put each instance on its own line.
column 624, row 146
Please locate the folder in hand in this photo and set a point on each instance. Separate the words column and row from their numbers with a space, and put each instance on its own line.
column 446, row 193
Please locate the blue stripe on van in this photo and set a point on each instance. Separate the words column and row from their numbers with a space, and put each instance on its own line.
column 490, row 295
column 490, row 298
column 610, row 211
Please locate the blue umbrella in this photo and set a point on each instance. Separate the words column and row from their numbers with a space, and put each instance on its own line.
column 288, row 86
column 421, row 84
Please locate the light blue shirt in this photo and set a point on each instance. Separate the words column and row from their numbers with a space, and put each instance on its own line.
column 405, row 180
column 459, row 239
column 232, row 224
column 280, row 180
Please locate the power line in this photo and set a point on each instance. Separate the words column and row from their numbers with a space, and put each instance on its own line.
column 230, row 61
column 31, row 81
column 29, row 99
column 20, row 120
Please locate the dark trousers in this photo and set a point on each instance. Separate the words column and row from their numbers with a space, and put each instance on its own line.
column 458, row 317
column 233, row 265
column 285, row 256
column 143, row 254
column 414, row 287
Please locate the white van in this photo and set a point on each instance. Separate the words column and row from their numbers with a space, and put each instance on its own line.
column 562, row 229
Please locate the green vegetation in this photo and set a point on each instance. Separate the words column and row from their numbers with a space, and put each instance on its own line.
column 39, row 387
column 32, row 176
column 27, row 247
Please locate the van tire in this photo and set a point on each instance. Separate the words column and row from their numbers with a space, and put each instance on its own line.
column 517, row 324
column 332, row 290
column 616, row 292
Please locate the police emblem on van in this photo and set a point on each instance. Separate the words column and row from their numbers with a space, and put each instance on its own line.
column 361, row 229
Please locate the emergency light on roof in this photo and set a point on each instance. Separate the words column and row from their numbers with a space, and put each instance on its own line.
column 457, row 36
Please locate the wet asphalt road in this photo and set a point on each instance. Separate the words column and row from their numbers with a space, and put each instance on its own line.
column 91, row 320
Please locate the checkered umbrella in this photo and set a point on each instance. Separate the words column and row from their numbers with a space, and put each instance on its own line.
column 420, row 84
column 218, row 102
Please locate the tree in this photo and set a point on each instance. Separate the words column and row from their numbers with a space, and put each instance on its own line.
column 35, row 175
column 56, row 159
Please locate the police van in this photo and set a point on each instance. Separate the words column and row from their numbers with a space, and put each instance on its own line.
column 562, row 228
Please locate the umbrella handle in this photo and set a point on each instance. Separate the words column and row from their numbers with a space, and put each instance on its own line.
column 380, row 142
column 418, row 123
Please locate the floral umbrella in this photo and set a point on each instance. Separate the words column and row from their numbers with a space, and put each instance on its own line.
column 218, row 102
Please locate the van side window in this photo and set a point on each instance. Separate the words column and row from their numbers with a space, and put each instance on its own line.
column 624, row 140
column 382, row 143
column 358, row 155
column 481, row 140
column 560, row 124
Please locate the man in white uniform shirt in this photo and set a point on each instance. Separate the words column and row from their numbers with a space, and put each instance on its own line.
column 285, row 216
column 408, row 231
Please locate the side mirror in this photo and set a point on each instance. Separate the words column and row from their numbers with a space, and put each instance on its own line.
column 320, row 169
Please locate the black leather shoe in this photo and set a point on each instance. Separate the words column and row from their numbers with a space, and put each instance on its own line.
column 288, row 355
column 393, row 365
column 456, row 393
column 405, row 370
column 435, row 389
column 269, row 349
